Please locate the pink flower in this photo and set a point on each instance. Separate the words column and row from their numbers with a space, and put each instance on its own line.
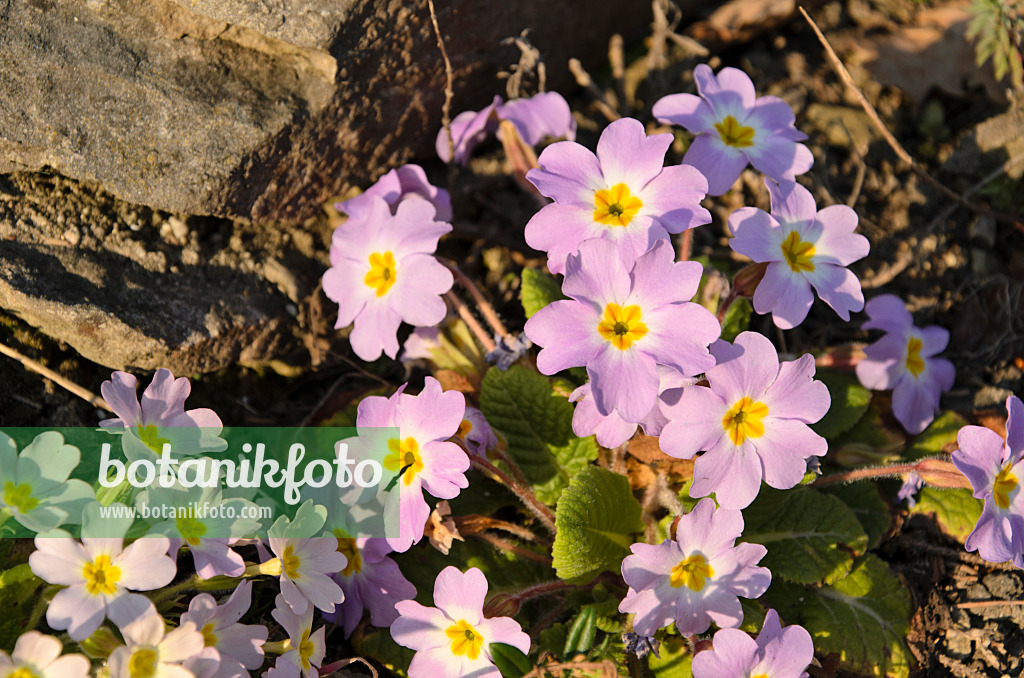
column 804, row 248
column 777, row 652
column 476, row 432
column 453, row 639
column 421, row 453
column 622, row 321
column 752, row 420
column 904, row 361
column 400, row 184
column 697, row 578
column 305, row 566
column 239, row 646
column 383, row 272
column 151, row 651
column 304, row 649
column 623, row 194
column 371, row 581
column 38, row 656
column 734, row 127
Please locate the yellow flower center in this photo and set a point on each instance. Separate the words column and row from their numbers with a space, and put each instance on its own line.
column 743, row 420
column 464, row 428
column 621, row 326
column 306, row 649
column 1005, row 483
column 616, row 206
column 915, row 363
column 347, row 547
column 100, row 576
column 465, row 639
column 150, row 436
column 143, row 663
column 734, row 134
column 209, row 637
column 23, row 672
column 404, row 454
column 190, row 529
column 692, row 572
column 382, row 272
column 19, row 496
column 290, row 562
column 798, row 253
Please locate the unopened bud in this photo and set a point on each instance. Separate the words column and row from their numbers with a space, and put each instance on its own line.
column 502, row 605
column 747, row 279
column 100, row 644
column 941, row 473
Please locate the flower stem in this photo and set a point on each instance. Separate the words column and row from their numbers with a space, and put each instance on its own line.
column 865, row 474
column 470, row 320
column 523, row 492
column 486, row 310
column 171, row 591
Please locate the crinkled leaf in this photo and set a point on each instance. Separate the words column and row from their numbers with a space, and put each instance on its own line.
column 18, row 595
column 867, row 504
column 737, row 319
column 811, row 537
column 934, row 439
column 538, row 290
column 957, row 511
column 863, row 617
column 849, row 402
column 596, row 518
column 537, row 425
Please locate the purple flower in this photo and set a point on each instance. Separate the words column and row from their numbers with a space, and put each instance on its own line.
column 622, row 321
column 804, row 248
column 697, row 578
column 623, row 194
column 400, row 184
column 734, row 127
column 305, row 649
column 752, row 420
column 912, row 484
column 150, row 650
column 477, row 433
column 239, row 646
column 305, row 566
column 383, row 271
column 454, row 639
column 904, row 361
column 421, row 453
column 995, row 468
column 544, row 114
column 777, row 652
column 371, row 581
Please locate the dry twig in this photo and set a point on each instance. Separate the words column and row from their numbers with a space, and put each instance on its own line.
column 80, row 391
column 449, row 92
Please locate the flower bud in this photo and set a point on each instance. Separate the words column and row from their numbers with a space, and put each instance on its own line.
column 502, row 605
column 100, row 644
column 941, row 473
column 747, row 279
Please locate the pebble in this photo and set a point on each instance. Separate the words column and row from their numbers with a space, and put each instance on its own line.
column 73, row 236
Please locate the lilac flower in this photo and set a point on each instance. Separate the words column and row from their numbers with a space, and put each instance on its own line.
column 904, row 361
column 804, row 248
column 371, row 581
column 304, row 649
column 454, row 639
column 400, row 184
column 777, row 652
column 383, row 271
column 39, row 656
column 477, row 433
column 239, row 647
column 734, row 127
column 752, row 420
column 544, row 114
column 422, row 455
column 161, row 418
column 507, row 350
column 305, row 566
column 623, row 194
column 622, row 322
column 912, row 484
column 151, row 651
column 995, row 469
column 697, row 578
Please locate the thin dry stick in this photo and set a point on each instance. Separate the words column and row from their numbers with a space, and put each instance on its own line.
column 29, row 364
column 471, row 322
column 989, row 603
column 449, row 92
column 617, row 58
column 583, row 80
column 901, row 152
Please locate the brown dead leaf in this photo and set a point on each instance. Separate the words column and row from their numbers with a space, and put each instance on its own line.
column 440, row 528
column 645, row 450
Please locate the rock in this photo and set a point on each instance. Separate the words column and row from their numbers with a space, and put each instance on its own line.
column 257, row 110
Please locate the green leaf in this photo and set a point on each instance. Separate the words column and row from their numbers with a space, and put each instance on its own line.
column 378, row 643
column 582, row 633
column 804, row 530
column 510, row 660
column 673, row 660
column 737, row 319
column 957, row 511
column 863, row 617
column 934, row 439
column 865, row 501
column 537, row 425
column 849, row 402
column 538, row 290
column 18, row 595
column 596, row 518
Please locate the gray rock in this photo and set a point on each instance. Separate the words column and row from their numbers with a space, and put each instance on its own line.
column 259, row 109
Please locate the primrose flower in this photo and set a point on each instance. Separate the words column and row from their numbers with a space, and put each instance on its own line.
column 995, row 469
column 305, row 566
column 161, row 418
column 544, row 114
column 454, row 639
column 804, row 248
column 752, row 420
column 371, row 581
column 99, row 574
column 477, row 433
column 383, row 271
column 622, row 321
column 151, row 651
column 697, row 578
column 734, row 126
column 38, row 656
column 623, row 194
column 904, row 361
column 400, row 184
column 777, row 652
column 34, row 486
column 239, row 646
column 305, row 649
column 421, row 456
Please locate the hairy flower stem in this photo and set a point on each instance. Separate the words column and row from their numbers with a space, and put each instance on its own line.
column 935, row 472
column 486, row 310
column 723, row 307
column 523, row 492
column 470, row 320
column 189, row 584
